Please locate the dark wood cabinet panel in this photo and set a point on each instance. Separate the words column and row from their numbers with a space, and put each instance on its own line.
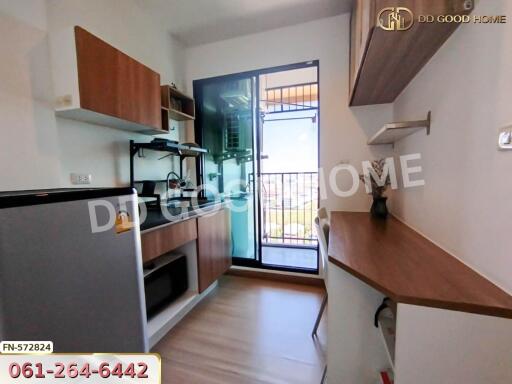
column 382, row 63
column 160, row 241
column 361, row 25
column 214, row 247
column 112, row 83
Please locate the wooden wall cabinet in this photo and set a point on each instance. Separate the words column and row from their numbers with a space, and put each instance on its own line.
column 96, row 83
column 382, row 63
column 214, row 247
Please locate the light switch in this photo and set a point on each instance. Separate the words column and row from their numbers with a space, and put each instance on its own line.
column 505, row 138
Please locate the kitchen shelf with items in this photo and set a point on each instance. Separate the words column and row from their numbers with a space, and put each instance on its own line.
column 393, row 132
column 176, row 105
column 173, row 148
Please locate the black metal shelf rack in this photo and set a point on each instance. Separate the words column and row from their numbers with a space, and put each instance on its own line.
column 174, row 149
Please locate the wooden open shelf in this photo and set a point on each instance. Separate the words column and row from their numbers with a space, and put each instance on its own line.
column 165, row 119
column 180, row 106
column 180, row 116
column 393, row 132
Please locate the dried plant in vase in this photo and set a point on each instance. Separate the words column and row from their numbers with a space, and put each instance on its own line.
column 377, row 187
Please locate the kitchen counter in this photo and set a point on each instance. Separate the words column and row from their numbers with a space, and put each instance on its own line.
column 156, row 219
column 402, row 264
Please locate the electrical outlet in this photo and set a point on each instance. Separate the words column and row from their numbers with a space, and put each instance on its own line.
column 81, row 178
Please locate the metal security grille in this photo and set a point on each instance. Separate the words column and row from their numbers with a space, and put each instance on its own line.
column 232, row 132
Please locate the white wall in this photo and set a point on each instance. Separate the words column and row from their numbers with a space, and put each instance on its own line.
column 355, row 351
column 343, row 130
column 38, row 150
column 451, row 347
column 464, row 205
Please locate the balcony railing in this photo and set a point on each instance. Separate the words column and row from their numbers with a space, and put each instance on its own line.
column 290, row 98
column 289, row 206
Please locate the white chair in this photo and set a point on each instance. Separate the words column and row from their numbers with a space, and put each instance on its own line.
column 322, row 232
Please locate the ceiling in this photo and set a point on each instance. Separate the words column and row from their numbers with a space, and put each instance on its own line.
column 196, row 22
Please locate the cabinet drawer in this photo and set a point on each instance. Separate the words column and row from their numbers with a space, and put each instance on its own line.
column 160, row 241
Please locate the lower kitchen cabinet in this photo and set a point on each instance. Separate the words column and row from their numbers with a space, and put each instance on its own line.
column 160, row 241
column 214, row 247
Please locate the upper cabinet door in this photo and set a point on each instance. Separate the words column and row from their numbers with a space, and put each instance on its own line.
column 383, row 62
column 97, row 83
column 361, row 25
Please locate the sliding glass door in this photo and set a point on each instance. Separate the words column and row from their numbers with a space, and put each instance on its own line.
column 261, row 132
column 226, row 120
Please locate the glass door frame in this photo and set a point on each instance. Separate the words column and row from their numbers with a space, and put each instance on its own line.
column 257, row 134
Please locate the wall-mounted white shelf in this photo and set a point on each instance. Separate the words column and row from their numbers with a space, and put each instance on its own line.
column 393, row 132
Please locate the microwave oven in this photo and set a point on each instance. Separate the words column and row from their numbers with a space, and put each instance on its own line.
column 165, row 279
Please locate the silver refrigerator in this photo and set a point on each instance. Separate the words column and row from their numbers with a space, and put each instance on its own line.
column 71, row 270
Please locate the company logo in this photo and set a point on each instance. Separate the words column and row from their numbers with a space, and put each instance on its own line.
column 395, row 19
column 402, row 18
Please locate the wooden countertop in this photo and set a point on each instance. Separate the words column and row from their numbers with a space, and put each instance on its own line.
column 402, row 264
column 155, row 219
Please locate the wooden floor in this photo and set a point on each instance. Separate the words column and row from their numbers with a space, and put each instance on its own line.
column 248, row 331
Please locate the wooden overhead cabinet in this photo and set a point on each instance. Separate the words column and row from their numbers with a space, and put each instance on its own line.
column 97, row 83
column 383, row 62
column 214, row 247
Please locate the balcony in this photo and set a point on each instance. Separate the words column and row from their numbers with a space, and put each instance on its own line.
column 289, row 205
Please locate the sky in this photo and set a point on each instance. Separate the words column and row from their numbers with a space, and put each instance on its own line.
column 291, row 146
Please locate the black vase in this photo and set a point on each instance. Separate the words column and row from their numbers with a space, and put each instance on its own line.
column 379, row 208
